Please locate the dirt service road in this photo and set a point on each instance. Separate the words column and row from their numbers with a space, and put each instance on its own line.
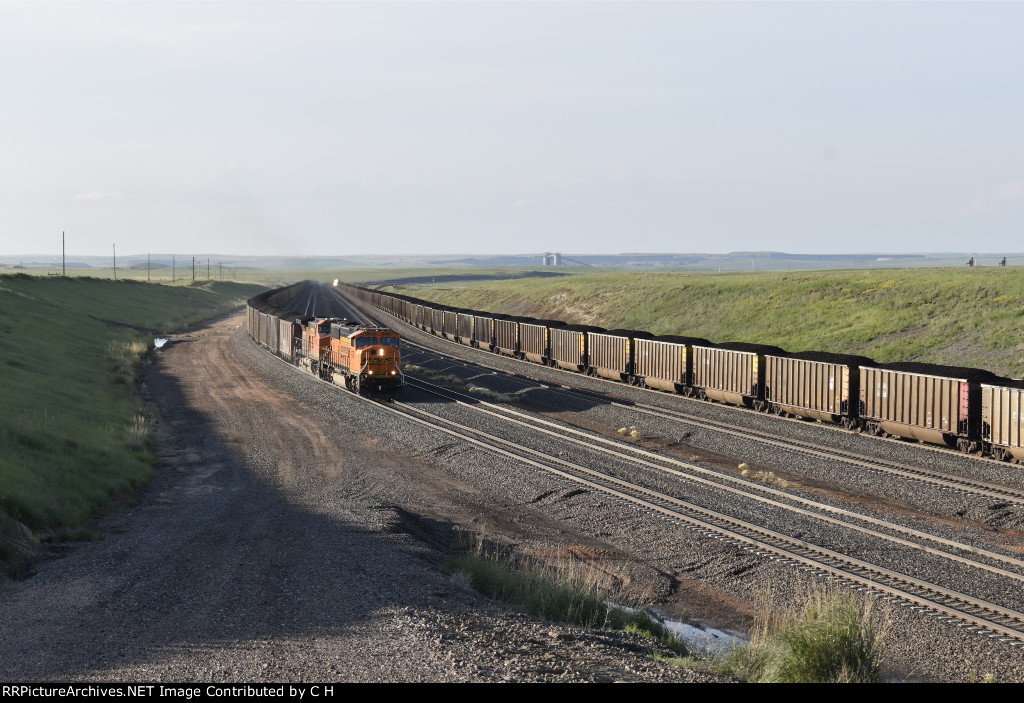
column 287, row 536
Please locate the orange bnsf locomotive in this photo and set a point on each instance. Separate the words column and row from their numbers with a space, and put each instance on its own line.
column 363, row 358
column 359, row 357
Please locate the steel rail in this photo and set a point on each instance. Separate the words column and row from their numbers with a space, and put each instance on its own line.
column 975, row 611
column 946, row 481
column 658, row 461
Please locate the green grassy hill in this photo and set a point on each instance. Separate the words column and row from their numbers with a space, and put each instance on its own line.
column 968, row 317
column 71, row 433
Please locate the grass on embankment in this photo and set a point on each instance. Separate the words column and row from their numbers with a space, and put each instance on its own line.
column 965, row 317
column 72, row 436
column 564, row 590
column 827, row 637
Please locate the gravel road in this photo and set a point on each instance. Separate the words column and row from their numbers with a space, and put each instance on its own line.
column 280, row 541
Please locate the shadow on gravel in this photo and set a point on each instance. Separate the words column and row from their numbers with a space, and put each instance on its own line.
column 212, row 556
column 463, row 376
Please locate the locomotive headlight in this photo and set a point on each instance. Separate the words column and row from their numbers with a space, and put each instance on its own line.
column 371, row 373
column 380, row 352
column 393, row 373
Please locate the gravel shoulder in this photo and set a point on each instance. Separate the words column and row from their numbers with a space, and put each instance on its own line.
column 290, row 535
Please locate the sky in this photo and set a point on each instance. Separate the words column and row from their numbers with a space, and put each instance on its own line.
column 344, row 128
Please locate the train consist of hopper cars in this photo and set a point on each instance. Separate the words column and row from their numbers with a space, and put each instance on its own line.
column 969, row 409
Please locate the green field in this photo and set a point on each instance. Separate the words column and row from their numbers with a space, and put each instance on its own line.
column 276, row 277
column 968, row 317
column 71, row 431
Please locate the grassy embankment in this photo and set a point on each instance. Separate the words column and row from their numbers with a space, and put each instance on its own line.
column 967, row 317
column 72, row 436
column 826, row 637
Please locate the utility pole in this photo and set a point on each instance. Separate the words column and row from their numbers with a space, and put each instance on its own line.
column 63, row 259
column 115, row 262
column 172, row 269
column 193, row 269
column 149, row 266
column 208, row 269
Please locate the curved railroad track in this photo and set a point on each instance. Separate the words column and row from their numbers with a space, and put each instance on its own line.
column 940, row 479
column 999, row 621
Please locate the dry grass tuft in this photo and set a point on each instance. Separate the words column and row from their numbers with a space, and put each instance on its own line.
column 830, row 637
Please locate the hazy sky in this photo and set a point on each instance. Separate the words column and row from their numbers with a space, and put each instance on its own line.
column 486, row 127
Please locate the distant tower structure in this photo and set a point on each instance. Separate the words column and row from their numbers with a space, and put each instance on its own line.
column 971, row 262
column 551, row 259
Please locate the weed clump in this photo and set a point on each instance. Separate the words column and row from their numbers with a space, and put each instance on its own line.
column 450, row 379
column 125, row 356
column 137, row 435
column 830, row 638
column 488, row 393
column 566, row 590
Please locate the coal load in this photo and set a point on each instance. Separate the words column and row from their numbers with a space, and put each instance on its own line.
column 964, row 372
column 584, row 328
column 635, row 334
column 678, row 339
column 753, row 348
column 830, row 358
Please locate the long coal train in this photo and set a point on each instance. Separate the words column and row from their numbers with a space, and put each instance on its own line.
column 970, row 409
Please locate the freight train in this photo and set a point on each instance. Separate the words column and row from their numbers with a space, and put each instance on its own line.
column 972, row 410
column 362, row 358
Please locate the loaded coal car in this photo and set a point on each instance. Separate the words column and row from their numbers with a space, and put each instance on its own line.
column 464, row 327
column 926, row 402
column 269, row 331
column 427, row 318
column 1002, row 420
column 450, row 324
column 814, row 385
column 437, row 321
column 569, row 348
column 482, row 336
column 506, row 334
column 535, row 340
column 666, row 362
column 732, row 372
column 611, row 354
column 291, row 336
column 415, row 314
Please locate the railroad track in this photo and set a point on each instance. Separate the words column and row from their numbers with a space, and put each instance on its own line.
column 736, row 485
column 999, row 621
column 975, row 612
column 968, row 486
